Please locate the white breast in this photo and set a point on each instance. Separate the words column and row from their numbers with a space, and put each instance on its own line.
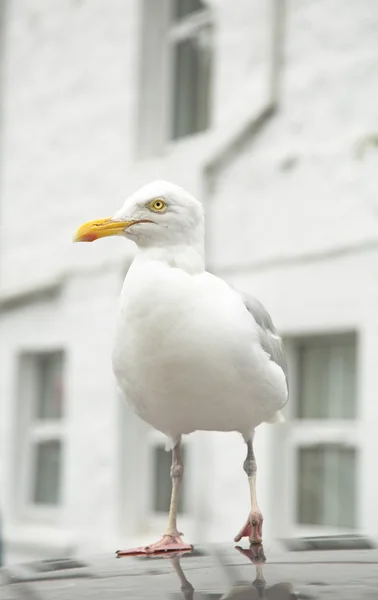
column 187, row 354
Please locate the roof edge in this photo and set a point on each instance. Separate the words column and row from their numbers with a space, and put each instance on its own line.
column 19, row 298
column 246, row 134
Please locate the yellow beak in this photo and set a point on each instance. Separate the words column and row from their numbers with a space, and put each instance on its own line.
column 93, row 230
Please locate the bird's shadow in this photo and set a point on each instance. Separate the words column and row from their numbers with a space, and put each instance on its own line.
column 239, row 590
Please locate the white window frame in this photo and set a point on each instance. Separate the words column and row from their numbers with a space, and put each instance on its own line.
column 158, row 35
column 188, row 28
column 301, row 433
column 29, row 433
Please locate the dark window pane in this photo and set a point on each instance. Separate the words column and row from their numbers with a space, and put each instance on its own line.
column 162, row 481
column 326, row 490
column 183, row 8
column 50, row 384
column 192, row 81
column 47, row 472
column 327, row 379
column 314, row 382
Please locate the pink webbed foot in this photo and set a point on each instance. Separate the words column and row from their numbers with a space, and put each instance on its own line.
column 168, row 543
column 252, row 529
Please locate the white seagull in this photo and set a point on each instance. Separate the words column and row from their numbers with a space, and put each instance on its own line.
column 191, row 353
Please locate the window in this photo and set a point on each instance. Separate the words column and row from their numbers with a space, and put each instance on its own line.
column 326, row 486
column 175, row 72
column 327, row 379
column 322, row 440
column 41, row 430
column 190, row 36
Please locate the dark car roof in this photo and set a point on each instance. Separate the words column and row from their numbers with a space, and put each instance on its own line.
column 208, row 573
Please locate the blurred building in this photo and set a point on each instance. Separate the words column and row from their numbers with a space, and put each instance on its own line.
column 268, row 112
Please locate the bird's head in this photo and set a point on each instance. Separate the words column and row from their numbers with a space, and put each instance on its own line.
column 158, row 214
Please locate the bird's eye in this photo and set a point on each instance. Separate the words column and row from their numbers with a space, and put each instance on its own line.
column 158, row 205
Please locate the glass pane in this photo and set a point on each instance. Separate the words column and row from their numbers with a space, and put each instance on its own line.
column 326, row 486
column 310, row 486
column 314, row 382
column 49, row 390
column 191, row 86
column 47, row 472
column 327, row 380
column 183, row 8
column 162, row 481
column 347, row 482
column 350, row 381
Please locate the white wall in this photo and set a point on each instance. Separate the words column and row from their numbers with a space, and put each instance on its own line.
column 69, row 81
column 82, row 322
column 328, row 198
column 333, row 295
column 303, row 237
column 70, row 102
column 70, row 96
column 70, row 99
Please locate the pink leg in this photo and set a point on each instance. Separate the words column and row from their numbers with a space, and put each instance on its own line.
column 171, row 541
column 254, row 553
column 253, row 526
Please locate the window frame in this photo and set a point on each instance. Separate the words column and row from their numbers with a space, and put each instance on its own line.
column 30, row 432
column 300, row 433
column 185, row 29
column 154, row 131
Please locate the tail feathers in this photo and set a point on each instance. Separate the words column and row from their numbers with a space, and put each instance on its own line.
column 277, row 418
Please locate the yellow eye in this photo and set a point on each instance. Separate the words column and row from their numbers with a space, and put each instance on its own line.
column 158, row 205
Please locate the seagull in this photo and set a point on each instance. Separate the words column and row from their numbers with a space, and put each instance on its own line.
column 191, row 352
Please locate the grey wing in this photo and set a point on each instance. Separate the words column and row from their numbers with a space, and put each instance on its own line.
column 269, row 337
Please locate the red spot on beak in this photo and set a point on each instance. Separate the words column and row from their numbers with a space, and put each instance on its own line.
column 89, row 237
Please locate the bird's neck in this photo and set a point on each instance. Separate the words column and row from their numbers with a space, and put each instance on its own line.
column 188, row 258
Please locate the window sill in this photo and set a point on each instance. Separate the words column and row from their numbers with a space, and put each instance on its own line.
column 38, row 540
column 303, row 531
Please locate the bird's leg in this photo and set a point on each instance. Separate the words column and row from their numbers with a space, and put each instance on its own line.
column 177, row 472
column 186, row 587
column 171, row 541
column 256, row 555
column 253, row 527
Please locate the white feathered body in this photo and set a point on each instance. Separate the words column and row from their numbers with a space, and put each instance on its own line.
column 187, row 354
